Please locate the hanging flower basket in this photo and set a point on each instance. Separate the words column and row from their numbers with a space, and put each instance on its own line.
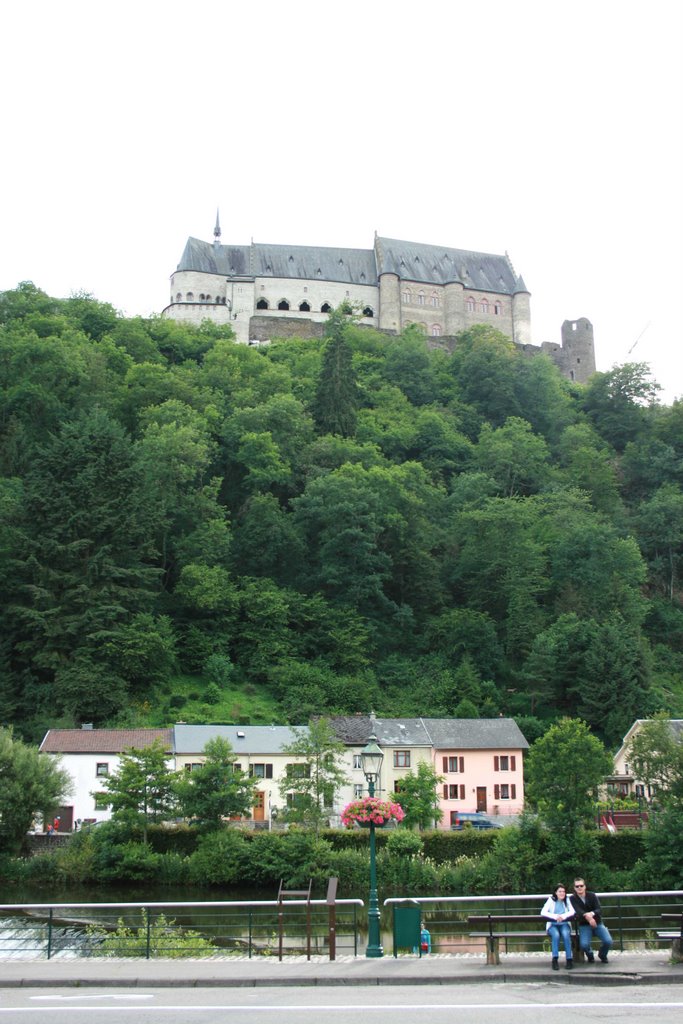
column 371, row 811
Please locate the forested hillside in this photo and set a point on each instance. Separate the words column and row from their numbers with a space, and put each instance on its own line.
column 337, row 525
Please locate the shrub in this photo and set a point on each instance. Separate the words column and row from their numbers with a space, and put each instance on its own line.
column 162, row 938
column 221, row 858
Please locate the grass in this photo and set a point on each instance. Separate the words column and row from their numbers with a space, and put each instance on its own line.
column 197, row 701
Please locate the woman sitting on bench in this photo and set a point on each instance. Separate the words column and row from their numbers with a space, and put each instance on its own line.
column 557, row 910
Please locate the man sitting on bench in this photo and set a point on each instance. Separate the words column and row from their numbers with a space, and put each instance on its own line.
column 587, row 907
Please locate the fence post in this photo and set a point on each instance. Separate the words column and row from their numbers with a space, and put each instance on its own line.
column 332, row 916
column 149, row 933
column 49, row 934
column 251, row 930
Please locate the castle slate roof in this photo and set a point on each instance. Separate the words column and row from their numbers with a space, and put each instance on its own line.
column 103, row 741
column 434, row 264
column 411, row 261
column 441, row 733
column 251, row 739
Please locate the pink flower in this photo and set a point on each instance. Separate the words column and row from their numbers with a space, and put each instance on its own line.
column 371, row 809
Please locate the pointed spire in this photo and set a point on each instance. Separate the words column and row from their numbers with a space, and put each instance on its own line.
column 217, row 229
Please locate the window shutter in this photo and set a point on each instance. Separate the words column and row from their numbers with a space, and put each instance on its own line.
column 496, row 790
column 462, row 792
column 445, row 764
column 462, row 764
column 445, row 792
column 513, row 791
column 496, row 763
column 513, row 763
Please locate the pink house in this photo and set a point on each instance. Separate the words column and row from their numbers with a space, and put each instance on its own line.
column 482, row 763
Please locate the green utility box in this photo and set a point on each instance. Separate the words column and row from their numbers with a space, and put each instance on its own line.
column 407, row 921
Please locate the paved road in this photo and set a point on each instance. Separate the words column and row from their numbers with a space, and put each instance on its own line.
column 512, row 1003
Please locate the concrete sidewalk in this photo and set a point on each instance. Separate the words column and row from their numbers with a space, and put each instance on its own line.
column 232, row 972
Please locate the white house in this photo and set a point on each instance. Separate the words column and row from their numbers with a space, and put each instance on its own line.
column 89, row 756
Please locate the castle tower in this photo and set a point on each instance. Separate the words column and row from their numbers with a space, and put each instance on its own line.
column 521, row 313
column 454, row 306
column 578, row 349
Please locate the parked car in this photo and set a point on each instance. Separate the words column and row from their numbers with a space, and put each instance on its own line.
column 468, row 819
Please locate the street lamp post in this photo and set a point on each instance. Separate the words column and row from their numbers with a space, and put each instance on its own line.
column 371, row 762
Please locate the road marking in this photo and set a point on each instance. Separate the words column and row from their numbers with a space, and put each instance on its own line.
column 103, row 995
column 228, row 1007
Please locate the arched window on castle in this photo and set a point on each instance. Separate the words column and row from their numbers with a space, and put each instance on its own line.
column 189, row 297
column 471, row 304
column 497, row 308
column 283, row 304
column 420, row 298
column 218, row 300
column 406, row 297
column 208, row 298
column 484, row 305
column 433, row 299
column 326, row 308
column 201, row 296
column 435, row 331
column 304, row 307
column 179, row 297
column 368, row 311
column 262, row 304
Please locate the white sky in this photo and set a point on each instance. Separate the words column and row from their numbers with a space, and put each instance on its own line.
column 551, row 131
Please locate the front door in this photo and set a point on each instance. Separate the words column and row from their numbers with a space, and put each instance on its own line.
column 259, row 810
column 481, row 798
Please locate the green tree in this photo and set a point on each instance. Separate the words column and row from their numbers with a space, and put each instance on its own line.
column 563, row 771
column 142, row 789
column 311, row 784
column 419, row 798
column 31, row 783
column 216, row 790
column 655, row 755
column 336, row 398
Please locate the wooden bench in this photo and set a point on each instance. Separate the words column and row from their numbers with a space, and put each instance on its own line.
column 493, row 934
column 675, row 937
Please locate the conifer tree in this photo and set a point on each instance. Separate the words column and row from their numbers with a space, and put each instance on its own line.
column 336, row 398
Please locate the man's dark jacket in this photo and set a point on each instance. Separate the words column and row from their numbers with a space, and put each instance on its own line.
column 586, row 904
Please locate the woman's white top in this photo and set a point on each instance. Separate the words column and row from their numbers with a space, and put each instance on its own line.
column 554, row 907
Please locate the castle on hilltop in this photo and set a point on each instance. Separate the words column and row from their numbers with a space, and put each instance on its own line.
column 267, row 291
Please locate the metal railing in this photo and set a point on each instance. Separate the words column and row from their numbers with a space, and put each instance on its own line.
column 633, row 919
column 179, row 929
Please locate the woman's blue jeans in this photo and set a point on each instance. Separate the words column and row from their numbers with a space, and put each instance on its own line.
column 560, row 930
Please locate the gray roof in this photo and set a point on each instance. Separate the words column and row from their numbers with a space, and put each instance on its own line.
column 476, row 733
column 441, row 733
column 250, row 739
column 436, row 264
column 411, row 261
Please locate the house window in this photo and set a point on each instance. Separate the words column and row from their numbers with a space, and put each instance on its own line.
column 296, row 800
column 358, row 791
column 454, row 764
column 357, row 762
column 102, row 769
column 236, row 767
column 401, row 759
column 192, row 767
column 297, row 771
column 505, row 763
column 102, row 801
column 505, row 792
column 260, row 771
